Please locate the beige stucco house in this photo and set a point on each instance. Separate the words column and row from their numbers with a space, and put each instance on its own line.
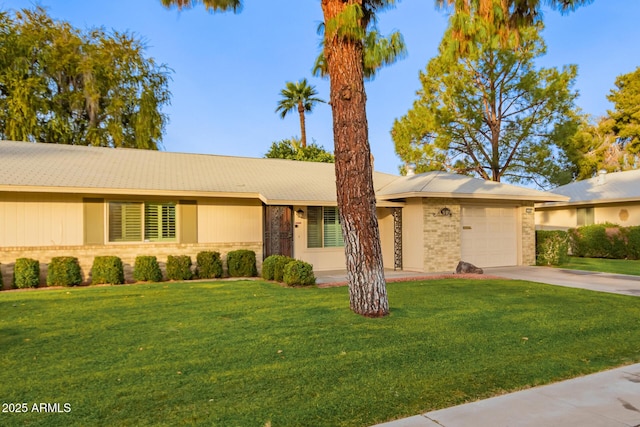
column 60, row 200
column 608, row 197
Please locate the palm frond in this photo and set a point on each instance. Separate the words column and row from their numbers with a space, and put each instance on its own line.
column 211, row 5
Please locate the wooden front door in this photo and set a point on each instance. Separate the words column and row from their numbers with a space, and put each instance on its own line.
column 278, row 230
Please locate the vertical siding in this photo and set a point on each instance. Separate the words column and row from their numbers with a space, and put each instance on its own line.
column 40, row 219
column 385, row 224
column 413, row 235
column 229, row 220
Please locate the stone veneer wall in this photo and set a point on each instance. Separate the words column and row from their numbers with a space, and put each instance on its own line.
column 528, row 234
column 126, row 252
column 441, row 235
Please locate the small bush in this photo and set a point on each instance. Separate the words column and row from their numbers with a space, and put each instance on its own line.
column 64, row 271
column 146, row 269
column 280, row 265
column 26, row 273
column 179, row 267
column 633, row 242
column 209, row 265
column 273, row 267
column 552, row 247
column 1, row 280
column 242, row 263
column 267, row 267
column 299, row 273
column 107, row 269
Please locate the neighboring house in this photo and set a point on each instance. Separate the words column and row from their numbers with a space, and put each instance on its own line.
column 61, row 200
column 609, row 197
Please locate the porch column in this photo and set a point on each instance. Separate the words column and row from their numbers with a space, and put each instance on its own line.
column 397, row 238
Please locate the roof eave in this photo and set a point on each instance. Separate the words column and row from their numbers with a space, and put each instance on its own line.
column 567, row 203
column 484, row 196
column 128, row 192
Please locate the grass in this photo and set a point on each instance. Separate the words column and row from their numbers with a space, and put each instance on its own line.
column 620, row 266
column 251, row 353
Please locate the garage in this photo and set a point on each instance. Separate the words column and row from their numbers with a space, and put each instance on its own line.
column 489, row 236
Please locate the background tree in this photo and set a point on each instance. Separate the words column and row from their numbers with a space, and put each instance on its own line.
column 626, row 114
column 490, row 113
column 298, row 96
column 348, row 25
column 62, row 85
column 593, row 148
column 292, row 149
column 613, row 142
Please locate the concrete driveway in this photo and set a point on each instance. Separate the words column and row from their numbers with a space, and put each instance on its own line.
column 603, row 282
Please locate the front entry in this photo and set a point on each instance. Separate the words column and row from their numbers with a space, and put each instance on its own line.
column 278, row 230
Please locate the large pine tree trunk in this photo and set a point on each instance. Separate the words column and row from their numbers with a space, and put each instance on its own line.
column 354, row 180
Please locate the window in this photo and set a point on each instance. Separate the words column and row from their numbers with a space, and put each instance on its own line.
column 323, row 227
column 159, row 221
column 128, row 221
column 584, row 216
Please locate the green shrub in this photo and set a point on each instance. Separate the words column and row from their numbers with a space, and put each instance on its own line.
column 209, row 265
column 1, row 280
column 107, row 269
column 242, row 263
column 64, row 271
column 273, row 267
column 26, row 273
column 633, row 242
column 299, row 273
column 267, row 267
column 278, row 271
column 146, row 269
column 552, row 247
column 599, row 241
column 179, row 267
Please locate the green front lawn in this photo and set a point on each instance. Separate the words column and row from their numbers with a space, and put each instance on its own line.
column 620, row 266
column 251, row 353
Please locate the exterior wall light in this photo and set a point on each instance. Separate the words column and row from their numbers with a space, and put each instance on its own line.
column 300, row 213
column 444, row 212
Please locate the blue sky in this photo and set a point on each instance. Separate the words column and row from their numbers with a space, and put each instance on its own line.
column 229, row 69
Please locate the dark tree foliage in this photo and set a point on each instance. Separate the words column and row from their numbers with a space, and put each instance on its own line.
column 63, row 85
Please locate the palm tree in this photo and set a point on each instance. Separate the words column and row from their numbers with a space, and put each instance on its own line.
column 301, row 96
column 507, row 16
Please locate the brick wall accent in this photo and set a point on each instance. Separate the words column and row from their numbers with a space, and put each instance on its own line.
column 126, row 252
column 528, row 234
column 441, row 235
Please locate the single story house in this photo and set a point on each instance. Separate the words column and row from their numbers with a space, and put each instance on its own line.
column 61, row 200
column 608, row 197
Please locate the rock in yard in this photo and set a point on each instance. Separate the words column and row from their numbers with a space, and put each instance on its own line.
column 466, row 267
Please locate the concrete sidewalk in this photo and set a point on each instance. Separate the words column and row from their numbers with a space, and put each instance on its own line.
column 605, row 399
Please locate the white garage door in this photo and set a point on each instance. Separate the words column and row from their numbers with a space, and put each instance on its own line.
column 489, row 236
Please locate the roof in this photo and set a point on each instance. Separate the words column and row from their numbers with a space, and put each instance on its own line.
column 613, row 187
column 444, row 184
column 39, row 167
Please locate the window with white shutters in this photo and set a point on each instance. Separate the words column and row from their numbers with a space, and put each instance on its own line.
column 323, row 227
column 128, row 220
